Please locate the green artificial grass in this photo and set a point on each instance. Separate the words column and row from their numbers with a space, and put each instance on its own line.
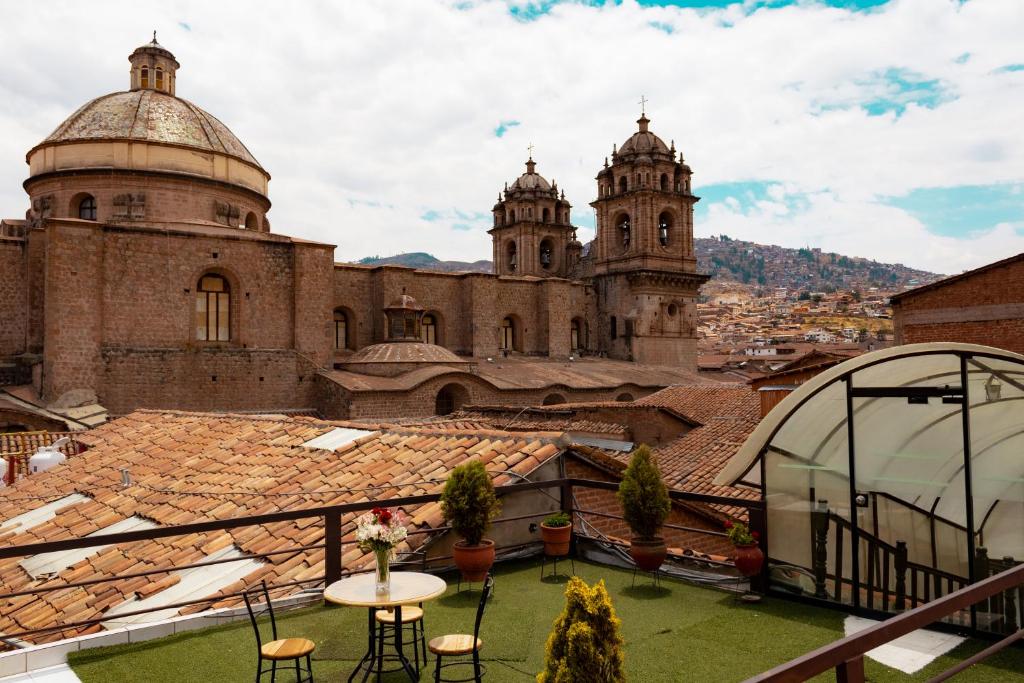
column 677, row 632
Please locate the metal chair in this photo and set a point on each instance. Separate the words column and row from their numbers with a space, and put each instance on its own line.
column 278, row 650
column 412, row 618
column 463, row 644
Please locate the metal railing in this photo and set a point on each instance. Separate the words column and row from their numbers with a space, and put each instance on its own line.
column 846, row 656
column 336, row 520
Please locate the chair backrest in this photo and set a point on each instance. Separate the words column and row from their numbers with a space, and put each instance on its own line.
column 252, row 596
column 484, row 594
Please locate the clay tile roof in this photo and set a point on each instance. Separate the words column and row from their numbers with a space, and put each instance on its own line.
column 702, row 402
column 189, row 467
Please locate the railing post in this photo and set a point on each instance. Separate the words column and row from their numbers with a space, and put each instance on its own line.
column 565, row 500
column 1010, row 604
column 332, row 547
column 819, row 560
column 756, row 517
column 851, row 671
column 900, row 563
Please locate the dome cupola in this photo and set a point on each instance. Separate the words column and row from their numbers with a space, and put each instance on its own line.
column 153, row 67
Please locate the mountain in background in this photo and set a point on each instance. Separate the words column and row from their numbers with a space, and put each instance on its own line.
column 424, row 261
column 757, row 265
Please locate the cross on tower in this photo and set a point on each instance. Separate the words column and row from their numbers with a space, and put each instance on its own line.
column 529, row 148
column 643, row 105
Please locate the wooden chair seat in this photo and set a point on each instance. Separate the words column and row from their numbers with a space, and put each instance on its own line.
column 455, row 644
column 409, row 615
column 287, row 648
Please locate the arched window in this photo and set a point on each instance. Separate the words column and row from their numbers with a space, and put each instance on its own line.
column 622, row 225
column 145, row 77
column 341, row 329
column 511, row 257
column 553, row 400
column 159, row 79
column 623, row 184
column 624, row 397
column 545, row 216
column 575, row 335
column 507, row 340
column 87, row 208
column 664, row 182
column 512, row 216
column 213, row 309
column 546, row 254
column 664, row 227
column 251, row 222
column 428, row 329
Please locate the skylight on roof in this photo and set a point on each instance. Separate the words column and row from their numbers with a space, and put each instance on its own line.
column 193, row 584
column 54, row 563
column 336, row 438
column 27, row 520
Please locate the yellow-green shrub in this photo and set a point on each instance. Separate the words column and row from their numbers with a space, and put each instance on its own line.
column 585, row 644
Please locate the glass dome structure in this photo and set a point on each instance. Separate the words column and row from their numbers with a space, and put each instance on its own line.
column 896, row 477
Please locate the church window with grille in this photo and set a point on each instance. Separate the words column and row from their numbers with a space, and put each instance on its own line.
column 213, row 309
column 87, row 208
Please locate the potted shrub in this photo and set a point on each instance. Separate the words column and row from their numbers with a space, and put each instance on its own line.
column 645, row 507
column 585, row 643
column 749, row 558
column 556, row 532
column 469, row 504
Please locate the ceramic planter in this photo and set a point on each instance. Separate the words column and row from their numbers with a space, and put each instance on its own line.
column 474, row 561
column 556, row 539
column 648, row 553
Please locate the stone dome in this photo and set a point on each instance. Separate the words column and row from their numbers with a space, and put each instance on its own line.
column 531, row 180
column 644, row 143
column 149, row 116
column 417, row 352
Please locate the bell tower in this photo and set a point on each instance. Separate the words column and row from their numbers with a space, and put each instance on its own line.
column 645, row 270
column 531, row 233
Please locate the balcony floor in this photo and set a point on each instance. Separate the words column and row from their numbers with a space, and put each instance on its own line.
column 678, row 632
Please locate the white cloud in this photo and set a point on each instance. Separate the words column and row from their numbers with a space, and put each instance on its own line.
column 368, row 115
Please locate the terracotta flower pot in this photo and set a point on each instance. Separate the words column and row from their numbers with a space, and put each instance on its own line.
column 474, row 561
column 749, row 559
column 648, row 553
column 556, row 539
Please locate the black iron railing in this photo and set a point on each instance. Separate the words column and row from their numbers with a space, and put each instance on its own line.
column 336, row 519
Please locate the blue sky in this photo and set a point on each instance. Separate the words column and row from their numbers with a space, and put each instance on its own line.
column 889, row 130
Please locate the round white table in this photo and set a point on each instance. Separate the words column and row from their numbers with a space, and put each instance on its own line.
column 407, row 588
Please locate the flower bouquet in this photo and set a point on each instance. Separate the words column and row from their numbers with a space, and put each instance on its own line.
column 379, row 531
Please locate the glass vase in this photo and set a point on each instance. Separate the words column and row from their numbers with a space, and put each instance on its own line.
column 383, row 570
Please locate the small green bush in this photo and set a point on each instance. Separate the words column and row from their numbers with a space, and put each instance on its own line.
column 585, row 643
column 643, row 495
column 468, row 502
column 558, row 519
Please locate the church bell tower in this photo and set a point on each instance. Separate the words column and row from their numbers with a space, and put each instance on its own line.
column 645, row 269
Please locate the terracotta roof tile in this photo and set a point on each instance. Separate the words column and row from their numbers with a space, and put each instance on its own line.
column 188, row 467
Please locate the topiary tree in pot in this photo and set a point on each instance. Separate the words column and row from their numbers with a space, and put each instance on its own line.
column 585, row 643
column 468, row 504
column 645, row 507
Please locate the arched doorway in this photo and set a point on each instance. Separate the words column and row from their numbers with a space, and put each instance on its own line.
column 624, row 397
column 450, row 398
column 553, row 400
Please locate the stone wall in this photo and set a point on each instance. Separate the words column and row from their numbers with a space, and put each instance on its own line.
column 211, row 379
column 13, row 296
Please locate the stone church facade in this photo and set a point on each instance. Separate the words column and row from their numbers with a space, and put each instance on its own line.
column 145, row 274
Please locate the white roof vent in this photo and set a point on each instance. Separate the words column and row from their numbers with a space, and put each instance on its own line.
column 48, row 456
column 336, row 438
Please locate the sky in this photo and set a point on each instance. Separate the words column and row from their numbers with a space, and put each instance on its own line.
column 889, row 130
